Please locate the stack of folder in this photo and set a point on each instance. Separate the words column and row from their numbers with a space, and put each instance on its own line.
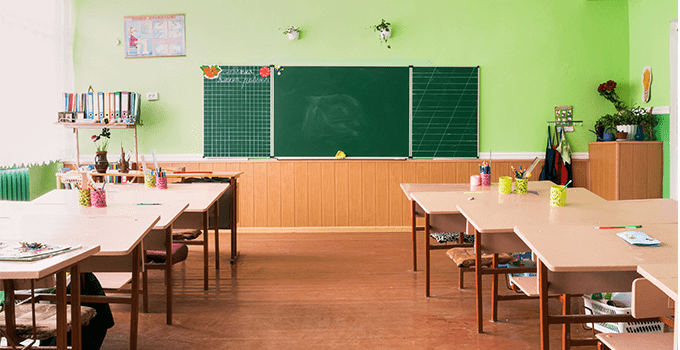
column 101, row 107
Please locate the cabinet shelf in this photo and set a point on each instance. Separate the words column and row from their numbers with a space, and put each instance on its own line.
column 77, row 126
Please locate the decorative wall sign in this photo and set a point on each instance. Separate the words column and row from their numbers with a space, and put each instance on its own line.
column 154, row 36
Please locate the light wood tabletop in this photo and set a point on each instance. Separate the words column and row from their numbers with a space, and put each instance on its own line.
column 664, row 276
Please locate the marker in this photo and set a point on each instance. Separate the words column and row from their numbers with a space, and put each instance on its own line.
column 148, row 203
column 608, row 227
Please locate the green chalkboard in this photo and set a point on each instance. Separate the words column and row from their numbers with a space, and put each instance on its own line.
column 236, row 113
column 362, row 111
column 445, row 112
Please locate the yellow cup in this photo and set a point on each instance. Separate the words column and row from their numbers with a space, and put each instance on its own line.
column 84, row 197
column 521, row 185
column 558, row 196
column 150, row 180
column 505, row 185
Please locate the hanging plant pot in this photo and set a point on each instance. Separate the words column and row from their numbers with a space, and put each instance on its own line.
column 386, row 33
column 293, row 35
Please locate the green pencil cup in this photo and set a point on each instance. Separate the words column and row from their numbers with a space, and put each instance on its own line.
column 558, row 196
column 84, row 197
column 505, row 185
column 521, row 185
column 149, row 180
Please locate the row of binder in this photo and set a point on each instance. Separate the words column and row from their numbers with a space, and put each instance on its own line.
column 100, row 107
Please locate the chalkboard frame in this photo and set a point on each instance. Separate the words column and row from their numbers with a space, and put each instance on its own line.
column 410, row 111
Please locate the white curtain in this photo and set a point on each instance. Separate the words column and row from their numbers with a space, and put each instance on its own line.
column 36, row 67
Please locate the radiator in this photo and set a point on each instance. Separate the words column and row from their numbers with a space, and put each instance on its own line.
column 14, row 184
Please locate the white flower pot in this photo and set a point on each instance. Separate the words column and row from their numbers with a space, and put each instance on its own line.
column 293, row 35
column 386, row 34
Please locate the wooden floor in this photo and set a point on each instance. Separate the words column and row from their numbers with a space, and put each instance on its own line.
column 326, row 291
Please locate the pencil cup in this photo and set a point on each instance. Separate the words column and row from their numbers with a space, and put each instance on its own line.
column 505, row 185
column 150, row 180
column 558, row 196
column 161, row 182
column 475, row 180
column 84, row 197
column 521, row 185
column 98, row 198
column 486, row 179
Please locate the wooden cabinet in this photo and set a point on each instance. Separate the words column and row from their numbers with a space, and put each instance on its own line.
column 626, row 169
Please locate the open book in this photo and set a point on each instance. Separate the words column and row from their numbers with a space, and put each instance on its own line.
column 24, row 251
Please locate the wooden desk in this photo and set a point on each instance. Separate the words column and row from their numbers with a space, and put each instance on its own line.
column 444, row 207
column 119, row 249
column 233, row 212
column 417, row 211
column 201, row 198
column 583, row 260
column 65, row 202
column 59, row 265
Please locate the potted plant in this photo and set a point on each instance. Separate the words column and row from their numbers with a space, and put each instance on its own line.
column 292, row 32
column 605, row 126
column 648, row 122
column 101, row 164
column 385, row 31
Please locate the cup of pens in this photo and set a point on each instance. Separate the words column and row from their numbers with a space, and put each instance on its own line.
column 98, row 198
column 149, row 179
column 558, row 196
column 485, row 174
column 84, row 197
column 161, row 182
column 505, row 185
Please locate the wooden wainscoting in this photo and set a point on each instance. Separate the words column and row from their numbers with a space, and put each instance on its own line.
column 325, row 193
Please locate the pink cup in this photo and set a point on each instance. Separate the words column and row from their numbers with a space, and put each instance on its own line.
column 486, row 179
column 98, row 198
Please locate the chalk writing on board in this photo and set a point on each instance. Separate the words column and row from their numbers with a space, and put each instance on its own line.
column 338, row 114
column 241, row 76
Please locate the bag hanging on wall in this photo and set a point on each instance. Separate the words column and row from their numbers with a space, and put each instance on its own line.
column 549, row 171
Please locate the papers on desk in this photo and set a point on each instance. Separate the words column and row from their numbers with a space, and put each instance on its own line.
column 24, row 251
column 639, row 238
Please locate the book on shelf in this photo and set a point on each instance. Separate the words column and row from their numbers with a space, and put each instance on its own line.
column 98, row 107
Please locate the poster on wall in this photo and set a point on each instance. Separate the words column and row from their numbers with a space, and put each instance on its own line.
column 154, row 36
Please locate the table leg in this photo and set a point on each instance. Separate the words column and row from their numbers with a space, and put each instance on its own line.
column 478, row 275
column 543, row 297
column 413, row 235
column 205, row 249
column 10, row 314
column 168, row 275
column 461, row 272
column 217, row 234
column 62, row 323
column 427, row 254
column 566, row 327
column 76, row 323
column 494, row 290
column 134, row 297
column 233, row 220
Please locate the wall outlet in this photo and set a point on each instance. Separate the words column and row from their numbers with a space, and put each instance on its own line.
column 151, row 96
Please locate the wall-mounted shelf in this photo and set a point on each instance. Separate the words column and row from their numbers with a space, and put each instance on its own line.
column 77, row 126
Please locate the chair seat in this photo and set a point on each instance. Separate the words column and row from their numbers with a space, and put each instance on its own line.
column 465, row 257
column 445, row 237
column 185, row 234
column 45, row 319
column 179, row 253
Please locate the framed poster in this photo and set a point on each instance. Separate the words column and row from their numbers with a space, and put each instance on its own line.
column 154, row 36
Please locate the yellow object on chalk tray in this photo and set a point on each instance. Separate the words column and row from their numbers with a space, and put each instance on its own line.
column 340, row 155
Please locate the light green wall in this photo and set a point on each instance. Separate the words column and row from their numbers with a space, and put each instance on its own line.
column 649, row 46
column 534, row 55
column 41, row 178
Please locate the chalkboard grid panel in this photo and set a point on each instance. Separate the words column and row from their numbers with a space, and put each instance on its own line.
column 236, row 113
column 445, row 112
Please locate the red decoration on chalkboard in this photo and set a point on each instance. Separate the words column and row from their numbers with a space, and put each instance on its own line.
column 264, row 72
